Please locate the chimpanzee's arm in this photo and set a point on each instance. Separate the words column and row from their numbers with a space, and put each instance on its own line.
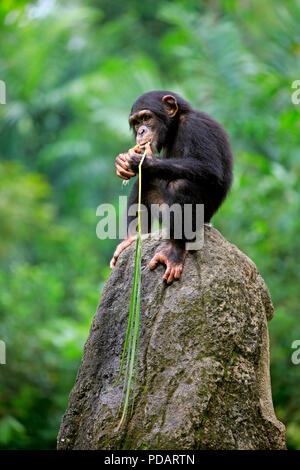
column 187, row 168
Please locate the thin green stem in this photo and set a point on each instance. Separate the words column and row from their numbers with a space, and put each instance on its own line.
column 131, row 310
column 131, row 346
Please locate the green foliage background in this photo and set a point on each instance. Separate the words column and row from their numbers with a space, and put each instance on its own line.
column 72, row 70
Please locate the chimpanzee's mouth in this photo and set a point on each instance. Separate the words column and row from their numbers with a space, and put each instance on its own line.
column 143, row 144
column 153, row 145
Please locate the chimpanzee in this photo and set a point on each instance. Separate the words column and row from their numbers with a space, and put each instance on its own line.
column 195, row 167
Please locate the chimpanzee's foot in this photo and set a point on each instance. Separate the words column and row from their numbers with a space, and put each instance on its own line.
column 121, row 247
column 173, row 256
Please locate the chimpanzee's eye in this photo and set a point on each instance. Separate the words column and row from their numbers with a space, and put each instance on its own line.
column 134, row 124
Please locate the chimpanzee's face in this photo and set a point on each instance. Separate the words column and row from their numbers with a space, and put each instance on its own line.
column 145, row 127
column 151, row 126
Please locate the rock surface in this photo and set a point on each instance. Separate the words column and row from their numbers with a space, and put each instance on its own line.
column 203, row 376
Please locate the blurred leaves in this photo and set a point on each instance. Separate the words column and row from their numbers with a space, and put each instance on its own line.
column 72, row 71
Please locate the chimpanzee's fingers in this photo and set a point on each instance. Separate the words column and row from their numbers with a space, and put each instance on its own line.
column 123, row 176
column 136, row 149
column 122, row 162
column 124, row 173
column 123, row 157
column 134, row 153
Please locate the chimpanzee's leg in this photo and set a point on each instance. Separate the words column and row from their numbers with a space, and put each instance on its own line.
column 177, row 193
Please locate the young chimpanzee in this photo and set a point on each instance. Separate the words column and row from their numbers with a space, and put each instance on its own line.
column 195, row 168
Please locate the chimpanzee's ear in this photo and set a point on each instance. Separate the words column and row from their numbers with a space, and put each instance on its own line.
column 170, row 104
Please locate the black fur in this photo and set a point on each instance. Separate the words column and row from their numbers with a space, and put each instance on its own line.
column 195, row 152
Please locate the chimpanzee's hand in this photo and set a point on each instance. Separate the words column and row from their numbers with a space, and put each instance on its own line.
column 122, row 166
column 136, row 155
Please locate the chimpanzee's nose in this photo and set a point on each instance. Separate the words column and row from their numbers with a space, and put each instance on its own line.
column 142, row 131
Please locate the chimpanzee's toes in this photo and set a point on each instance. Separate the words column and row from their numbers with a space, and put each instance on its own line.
column 159, row 257
column 112, row 263
column 173, row 270
column 121, row 247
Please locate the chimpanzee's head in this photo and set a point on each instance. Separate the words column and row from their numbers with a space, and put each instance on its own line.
column 153, row 117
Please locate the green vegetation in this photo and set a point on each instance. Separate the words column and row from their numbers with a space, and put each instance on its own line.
column 72, row 70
